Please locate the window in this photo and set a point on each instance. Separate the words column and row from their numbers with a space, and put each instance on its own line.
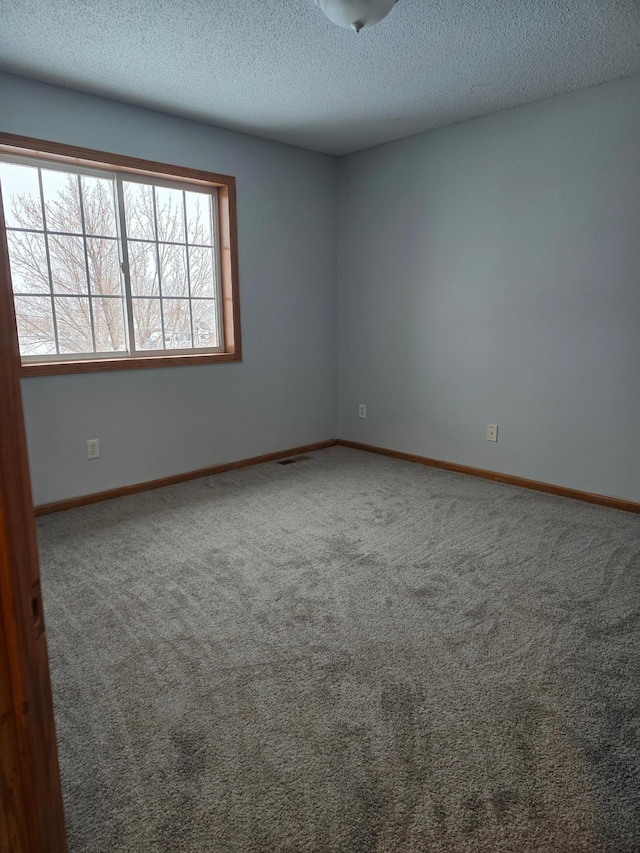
column 117, row 262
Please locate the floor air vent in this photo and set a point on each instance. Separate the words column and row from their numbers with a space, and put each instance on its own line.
column 291, row 461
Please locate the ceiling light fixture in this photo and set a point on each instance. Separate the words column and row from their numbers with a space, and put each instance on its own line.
column 356, row 14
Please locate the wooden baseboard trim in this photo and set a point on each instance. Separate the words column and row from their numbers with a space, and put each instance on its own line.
column 536, row 485
column 96, row 497
column 576, row 494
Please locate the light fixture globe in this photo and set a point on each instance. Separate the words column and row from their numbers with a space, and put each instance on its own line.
column 356, row 14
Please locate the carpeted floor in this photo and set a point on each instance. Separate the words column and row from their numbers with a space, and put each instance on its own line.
column 351, row 654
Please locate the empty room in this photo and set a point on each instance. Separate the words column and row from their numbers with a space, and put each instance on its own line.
column 320, row 426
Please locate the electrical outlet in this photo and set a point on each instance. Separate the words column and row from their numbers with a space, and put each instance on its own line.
column 93, row 448
column 362, row 410
column 492, row 432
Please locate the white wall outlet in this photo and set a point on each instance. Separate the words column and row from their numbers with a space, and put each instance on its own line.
column 93, row 448
column 492, row 432
column 362, row 410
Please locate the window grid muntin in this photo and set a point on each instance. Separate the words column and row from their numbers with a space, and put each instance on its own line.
column 130, row 239
column 52, row 233
column 48, row 257
column 86, row 261
column 118, row 178
column 213, row 247
column 186, row 237
column 123, row 252
column 155, row 231
column 70, row 169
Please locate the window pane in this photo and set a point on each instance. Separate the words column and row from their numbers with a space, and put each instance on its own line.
column 28, row 261
column 138, row 207
column 177, row 323
column 104, row 267
column 62, row 201
column 199, row 218
column 205, row 323
column 99, row 205
column 21, row 196
column 201, row 272
column 173, row 270
column 74, row 324
column 108, row 319
column 170, row 215
column 143, row 268
column 35, row 325
column 65, row 239
column 68, row 270
column 147, row 324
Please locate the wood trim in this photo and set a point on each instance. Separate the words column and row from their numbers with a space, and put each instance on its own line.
column 60, row 151
column 31, row 814
column 536, row 485
column 122, row 491
column 227, row 215
column 13, row 818
column 57, row 368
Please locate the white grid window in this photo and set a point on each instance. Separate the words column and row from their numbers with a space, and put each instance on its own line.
column 109, row 264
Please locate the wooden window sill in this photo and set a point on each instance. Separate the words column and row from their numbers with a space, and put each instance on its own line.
column 55, row 368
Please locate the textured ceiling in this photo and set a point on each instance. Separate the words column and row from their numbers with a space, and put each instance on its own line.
column 280, row 69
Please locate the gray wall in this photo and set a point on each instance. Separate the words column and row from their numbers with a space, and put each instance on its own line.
column 489, row 272
column 154, row 423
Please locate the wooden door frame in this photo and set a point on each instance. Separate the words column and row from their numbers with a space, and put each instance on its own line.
column 31, row 814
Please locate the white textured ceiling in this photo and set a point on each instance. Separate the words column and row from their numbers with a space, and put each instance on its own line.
column 280, row 69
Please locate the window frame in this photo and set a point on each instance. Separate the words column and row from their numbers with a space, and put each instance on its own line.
column 226, row 258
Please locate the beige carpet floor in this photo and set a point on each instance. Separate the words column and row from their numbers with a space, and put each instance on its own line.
column 351, row 654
